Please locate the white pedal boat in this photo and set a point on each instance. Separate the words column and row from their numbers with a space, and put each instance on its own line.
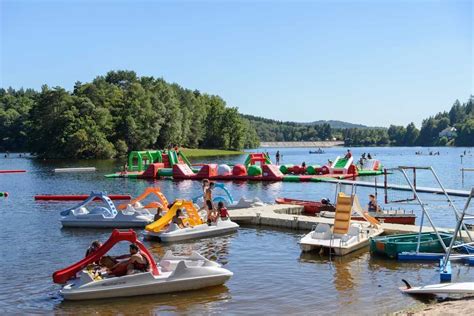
column 441, row 288
column 174, row 233
column 340, row 244
column 172, row 274
column 167, row 231
column 345, row 236
column 104, row 216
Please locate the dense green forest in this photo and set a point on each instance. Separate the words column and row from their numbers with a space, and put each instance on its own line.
column 120, row 112
column 115, row 114
column 461, row 116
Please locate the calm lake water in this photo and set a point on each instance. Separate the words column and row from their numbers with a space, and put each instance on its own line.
column 271, row 275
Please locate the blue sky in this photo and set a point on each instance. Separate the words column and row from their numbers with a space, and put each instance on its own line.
column 370, row 62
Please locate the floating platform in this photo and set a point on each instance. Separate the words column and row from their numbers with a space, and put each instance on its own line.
column 290, row 216
column 78, row 197
column 82, row 169
column 460, row 193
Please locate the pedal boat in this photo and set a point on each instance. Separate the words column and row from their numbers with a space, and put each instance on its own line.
column 166, row 231
column 345, row 236
column 105, row 216
column 171, row 274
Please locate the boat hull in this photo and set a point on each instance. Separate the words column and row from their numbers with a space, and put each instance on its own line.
column 103, row 224
column 391, row 246
column 310, row 207
column 119, row 287
column 335, row 246
column 442, row 288
column 196, row 233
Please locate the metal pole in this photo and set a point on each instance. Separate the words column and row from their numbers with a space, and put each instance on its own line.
column 458, row 227
column 423, row 209
column 456, row 212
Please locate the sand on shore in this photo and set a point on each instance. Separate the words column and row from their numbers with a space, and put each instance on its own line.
column 449, row 307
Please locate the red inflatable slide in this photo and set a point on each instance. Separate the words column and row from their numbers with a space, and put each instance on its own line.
column 78, row 197
column 62, row 276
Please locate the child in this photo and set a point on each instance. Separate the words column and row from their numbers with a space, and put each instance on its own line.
column 223, row 213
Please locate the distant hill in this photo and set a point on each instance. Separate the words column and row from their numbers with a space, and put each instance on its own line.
column 269, row 130
column 338, row 124
column 333, row 123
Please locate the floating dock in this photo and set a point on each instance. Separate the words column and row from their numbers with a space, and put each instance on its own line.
column 460, row 193
column 290, row 216
column 81, row 169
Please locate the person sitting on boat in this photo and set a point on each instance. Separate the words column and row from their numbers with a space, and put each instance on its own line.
column 158, row 214
column 303, row 165
column 369, row 156
column 93, row 247
column 135, row 262
column 223, row 213
column 348, row 154
column 178, row 220
column 373, row 206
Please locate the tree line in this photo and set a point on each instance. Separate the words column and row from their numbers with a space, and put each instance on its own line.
column 115, row 114
column 460, row 116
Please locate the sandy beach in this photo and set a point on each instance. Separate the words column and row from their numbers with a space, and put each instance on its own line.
column 449, row 307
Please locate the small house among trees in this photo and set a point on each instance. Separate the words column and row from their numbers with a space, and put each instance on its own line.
column 449, row 132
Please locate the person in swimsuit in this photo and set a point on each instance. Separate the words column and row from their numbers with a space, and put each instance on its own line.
column 178, row 220
column 223, row 213
column 135, row 261
column 208, row 201
column 348, row 154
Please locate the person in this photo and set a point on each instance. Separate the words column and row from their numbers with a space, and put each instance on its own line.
column 277, row 157
column 303, row 165
column 93, row 247
column 209, row 204
column 158, row 214
column 135, row 261
column 178, row 220
column 125, row 168
column 204, row 185
column 348, row 154
column 363, row 156
column 369, row 156
column 329, row 163
column 223, row 213
column 373, row 207
column 361, row 162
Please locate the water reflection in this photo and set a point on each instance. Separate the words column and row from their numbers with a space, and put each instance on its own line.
column 183, row 303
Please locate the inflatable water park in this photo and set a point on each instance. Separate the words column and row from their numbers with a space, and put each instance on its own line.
column 172, row 164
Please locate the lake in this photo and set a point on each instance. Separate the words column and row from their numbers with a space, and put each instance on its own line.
column 271, row 275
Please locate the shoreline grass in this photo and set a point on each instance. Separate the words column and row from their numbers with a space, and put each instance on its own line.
column 194, row 153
